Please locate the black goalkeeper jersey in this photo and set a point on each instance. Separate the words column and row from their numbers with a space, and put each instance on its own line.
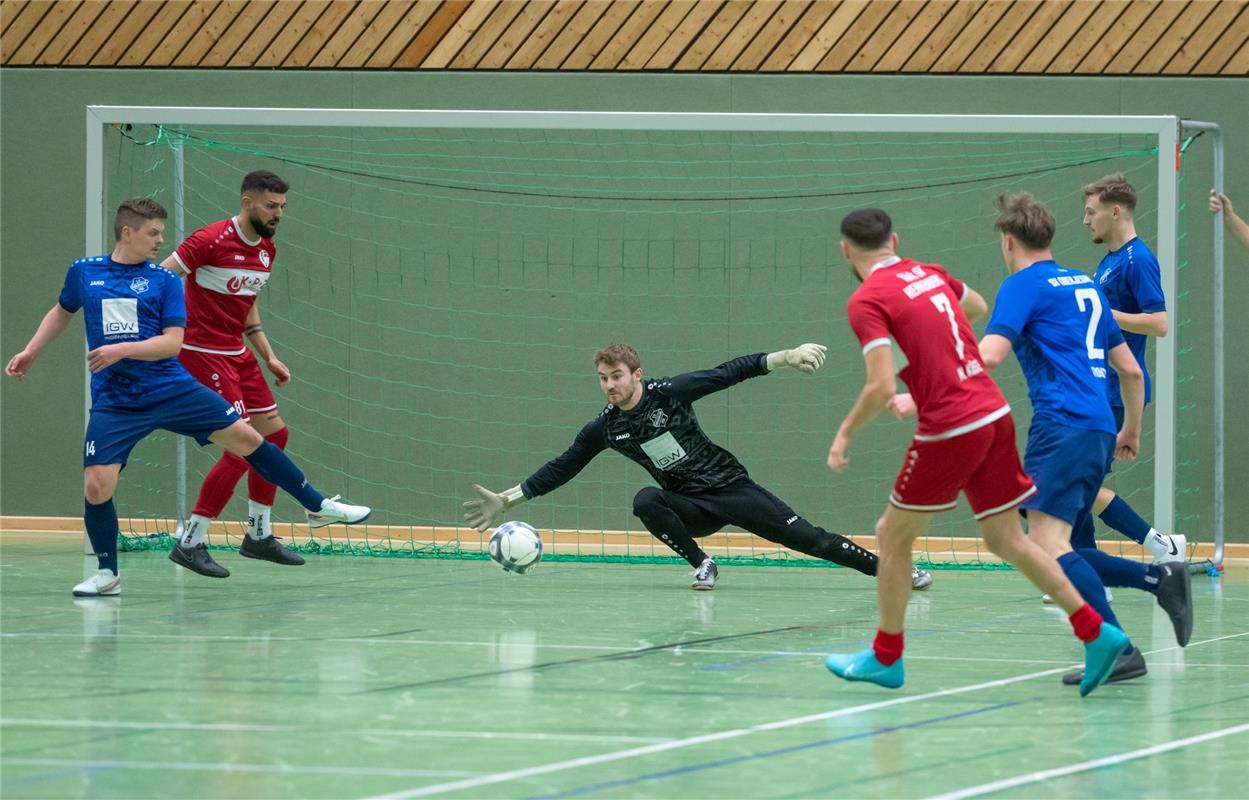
column 661, row 433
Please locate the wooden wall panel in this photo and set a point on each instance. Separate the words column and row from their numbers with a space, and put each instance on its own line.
column 1035, row 37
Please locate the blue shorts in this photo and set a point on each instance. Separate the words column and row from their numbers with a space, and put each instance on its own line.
column 188, row 408
column 1067, row 465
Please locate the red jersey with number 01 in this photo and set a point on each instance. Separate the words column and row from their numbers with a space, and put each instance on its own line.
column 917, row 307
column 225, row 273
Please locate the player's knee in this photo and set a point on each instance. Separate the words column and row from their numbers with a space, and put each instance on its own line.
column 647, row 501
column 97, row 488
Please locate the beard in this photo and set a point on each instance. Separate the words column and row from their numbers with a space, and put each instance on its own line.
column 855, row 273
column 264, row 229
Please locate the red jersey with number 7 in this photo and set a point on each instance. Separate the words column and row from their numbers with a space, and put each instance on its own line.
column 917, row 306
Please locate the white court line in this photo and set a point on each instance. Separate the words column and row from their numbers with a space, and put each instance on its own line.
column 677, row 744
column 1108, row 761
column 109, row 724
column 188, row 766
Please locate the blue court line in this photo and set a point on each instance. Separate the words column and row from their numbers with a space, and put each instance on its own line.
column 594, row 787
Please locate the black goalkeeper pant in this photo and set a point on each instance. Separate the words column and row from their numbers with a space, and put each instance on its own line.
column 678, row 519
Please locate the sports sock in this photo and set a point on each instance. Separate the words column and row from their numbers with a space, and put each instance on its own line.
column 258, row 524
column 888, row 647
column 275, row 467
column 218, row 485
column 195, row 532
column 1123, row 518
column 259, row 489
column 1088, row 584
column 101, row 522
column 1087, row 623
column 1115, row 571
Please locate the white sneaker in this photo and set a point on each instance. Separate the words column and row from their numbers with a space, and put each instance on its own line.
column 1167, row 547
column 920, row 579
column 102, row 584
column 1049, row 601
column 705, row 576
column 334, row 511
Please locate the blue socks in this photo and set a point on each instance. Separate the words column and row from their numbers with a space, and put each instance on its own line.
column 1115, row 571
column 277, row 468
column 1120, row 516
column 101, row 522
column 1088, row 584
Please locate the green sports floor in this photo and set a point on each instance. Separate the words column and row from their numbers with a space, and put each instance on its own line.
column 357, row 678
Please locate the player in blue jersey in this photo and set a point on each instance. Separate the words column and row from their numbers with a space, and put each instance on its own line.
column 1057, row 323
column 135, row 317
column 1130, row 278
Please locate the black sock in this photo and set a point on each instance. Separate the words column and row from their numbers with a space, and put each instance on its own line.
column 101, row 522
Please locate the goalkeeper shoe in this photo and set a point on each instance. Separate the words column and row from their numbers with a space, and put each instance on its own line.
column 269, row 549
column 102, row 584
column 863, row 666
column 1127, row 666
column 1175, row 595
column 1100, row 657
column 333, row 510
column 705, row 576
column 920, row 579
column 198, row 560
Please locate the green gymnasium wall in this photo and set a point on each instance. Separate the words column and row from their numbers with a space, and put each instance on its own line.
column 41, row 210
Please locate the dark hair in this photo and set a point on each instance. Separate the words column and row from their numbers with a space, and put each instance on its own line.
column 1113, row 189
column 134, row 212
column 1024, row 217
column 618, row 354
column 867, row 228
column 262, row 180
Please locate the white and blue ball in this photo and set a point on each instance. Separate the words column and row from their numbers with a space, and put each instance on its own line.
column 516, row 546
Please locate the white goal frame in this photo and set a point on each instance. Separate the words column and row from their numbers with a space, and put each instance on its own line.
column 1166, row 131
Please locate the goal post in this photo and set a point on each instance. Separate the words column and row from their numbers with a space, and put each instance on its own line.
column 1163, row 131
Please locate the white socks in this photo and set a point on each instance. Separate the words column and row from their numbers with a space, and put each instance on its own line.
column 195, row 532
column 258, row 524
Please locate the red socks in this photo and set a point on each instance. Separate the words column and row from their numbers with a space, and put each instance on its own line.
column 259, row 489
column 888, row 647
column 1087, row 623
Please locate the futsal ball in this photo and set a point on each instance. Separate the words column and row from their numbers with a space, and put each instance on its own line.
column 516, row 546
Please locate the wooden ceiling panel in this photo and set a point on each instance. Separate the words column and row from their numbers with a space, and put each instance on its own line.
column 1055, row 37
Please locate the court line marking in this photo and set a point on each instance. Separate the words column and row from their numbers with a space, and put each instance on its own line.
column 1097, row 763
column 677, row 744
column 108, row 724
column 189, row 766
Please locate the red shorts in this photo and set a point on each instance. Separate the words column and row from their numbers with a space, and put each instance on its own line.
column 236, row 378
column 983, row 463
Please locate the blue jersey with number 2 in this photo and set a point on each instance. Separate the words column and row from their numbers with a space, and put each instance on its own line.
column 1061, row 329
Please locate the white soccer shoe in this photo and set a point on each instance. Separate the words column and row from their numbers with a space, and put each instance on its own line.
column 102, row 584
column 1167, row 547
column 920, row 579
column 333, row 511
column 1049, row 601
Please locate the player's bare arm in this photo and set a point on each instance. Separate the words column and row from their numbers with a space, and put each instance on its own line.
column 51, row 326
column 973, row 303
column 255, row 334
column 1236, row 226
column 156, row 348
column 878, row 389
column 993, row 350
column 1154, row 324
column 1132, row 387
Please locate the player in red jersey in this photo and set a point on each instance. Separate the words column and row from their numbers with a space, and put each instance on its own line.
column 226, row 265
column 965, row 442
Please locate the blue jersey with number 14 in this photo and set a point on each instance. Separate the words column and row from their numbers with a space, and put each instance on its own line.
column 1061, row 329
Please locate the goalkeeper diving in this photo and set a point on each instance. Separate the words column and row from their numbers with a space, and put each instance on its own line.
column 701, row 486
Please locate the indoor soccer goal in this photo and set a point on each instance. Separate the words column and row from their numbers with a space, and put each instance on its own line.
column 443, row 279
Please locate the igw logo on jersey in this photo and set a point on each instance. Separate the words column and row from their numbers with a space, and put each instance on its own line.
column 120, row 316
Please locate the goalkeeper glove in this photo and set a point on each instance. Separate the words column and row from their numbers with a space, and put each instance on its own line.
column 483, row 513
column 806, row 358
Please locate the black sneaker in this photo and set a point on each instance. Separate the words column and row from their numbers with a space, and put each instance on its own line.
column 1127, row 666
column 197, row 559
column 1175, row 595
column 269, row 549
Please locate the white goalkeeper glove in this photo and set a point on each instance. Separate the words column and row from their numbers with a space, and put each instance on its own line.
column 805, row 358
column 484, row 513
